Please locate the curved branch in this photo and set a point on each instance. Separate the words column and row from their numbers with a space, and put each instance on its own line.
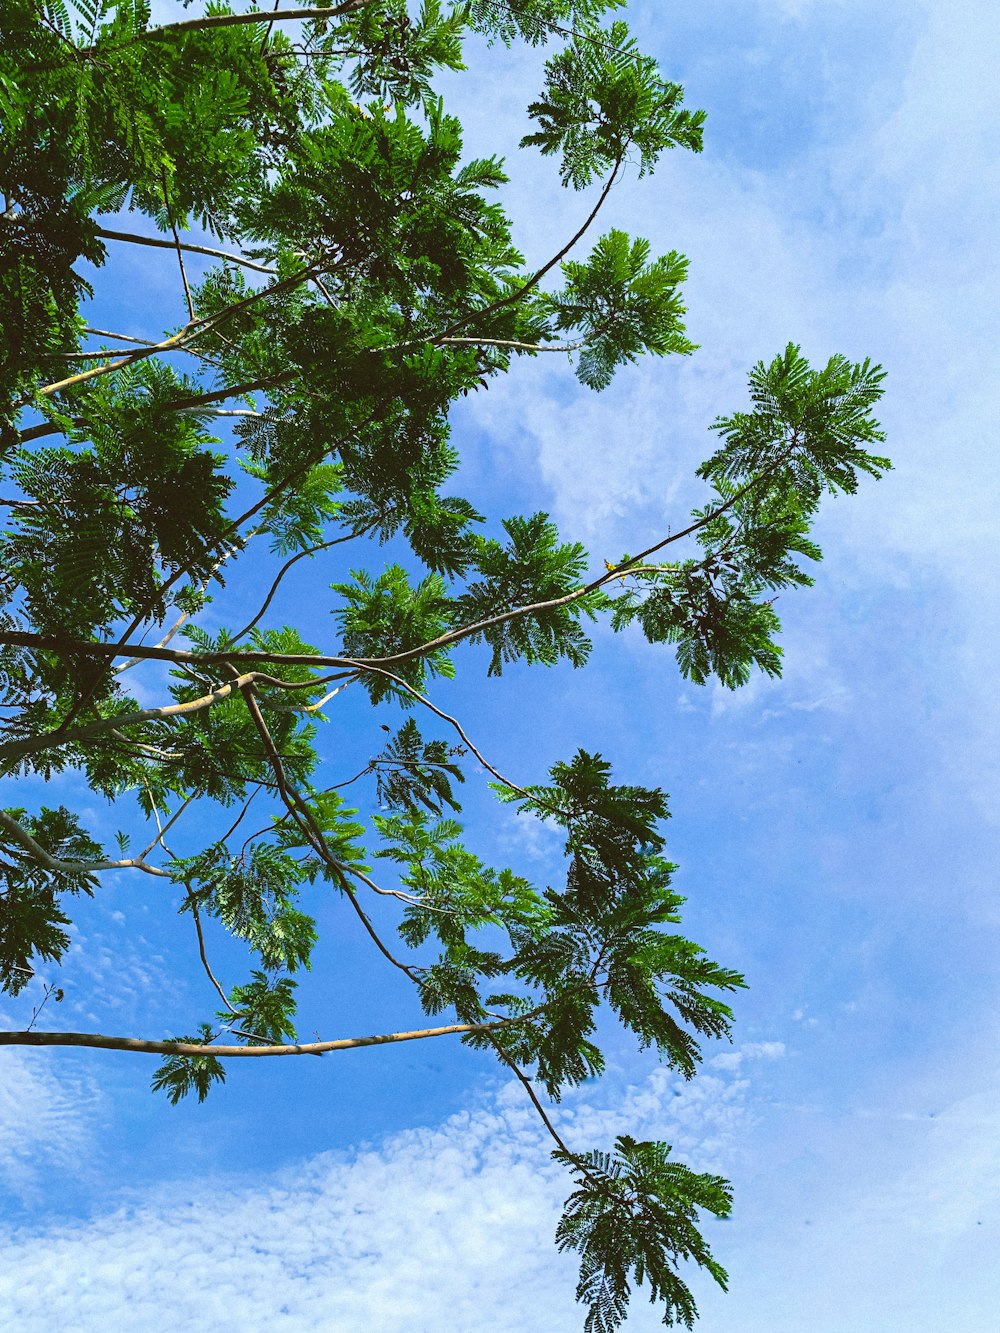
column 148, row 1047
column 615, row 572
column 192, row 899
column 539, row 274
column 380, row 664
column 38, row 853
column 299, row 555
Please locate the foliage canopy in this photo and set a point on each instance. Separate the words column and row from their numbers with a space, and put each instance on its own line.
column 364, row 279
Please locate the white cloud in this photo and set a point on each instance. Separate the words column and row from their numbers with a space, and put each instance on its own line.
column 874, row 1221
column 877, row 240
column 444, row 1228
column 750, row 1050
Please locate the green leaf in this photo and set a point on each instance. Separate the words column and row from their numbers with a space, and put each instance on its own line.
column 533, row 570
column 386, row 617
column 621, row 306
column 601, row 99
column 265, row 1009
column 633, row 1217
column 412, row 772
column 180, row 1075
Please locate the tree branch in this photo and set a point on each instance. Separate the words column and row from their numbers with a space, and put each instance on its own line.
column 38, row 853
column 150, row 1047
column 380, row 664
column 299, row 555
column 90, row 730
column 539, row 274
column 132, row 238
column 177, row 243
column 192, row 329
column 265, row 16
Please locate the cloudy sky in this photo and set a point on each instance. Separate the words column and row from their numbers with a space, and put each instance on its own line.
column 836, row 830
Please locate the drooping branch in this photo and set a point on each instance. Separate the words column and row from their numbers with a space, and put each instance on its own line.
column 177, row 244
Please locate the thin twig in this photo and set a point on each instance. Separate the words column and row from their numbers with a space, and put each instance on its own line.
column 163, row 829
column 511, row 342
column 299, row 555
column 193, row 901
column 177, row 242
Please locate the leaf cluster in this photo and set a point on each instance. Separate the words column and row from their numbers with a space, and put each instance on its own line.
column 602, row 100
column 807, row 434
column 32, row 921
column 632, row 1216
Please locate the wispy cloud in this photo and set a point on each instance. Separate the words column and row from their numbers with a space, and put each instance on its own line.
column 48, row 1124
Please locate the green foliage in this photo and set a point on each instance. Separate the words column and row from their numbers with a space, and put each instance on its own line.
column 262, row 1010
column 622, row 306
column 180, row 1075
column 807, row 429
column 602, row 98
column 603, row 935
column 412, row 772
column 147, row 483
column 384, row 616
column 805, row 436
column 634, row 1213
column 533, row 569
column 357, row 280
column 31, row 918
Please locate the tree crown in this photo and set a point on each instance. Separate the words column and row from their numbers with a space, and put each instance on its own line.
column 363, row 281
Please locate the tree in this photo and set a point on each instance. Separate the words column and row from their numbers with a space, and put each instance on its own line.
column 365, row 281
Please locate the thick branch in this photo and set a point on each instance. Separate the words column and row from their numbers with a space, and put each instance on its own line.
column 129, row 359
column 149, row 1047
column 91, row 730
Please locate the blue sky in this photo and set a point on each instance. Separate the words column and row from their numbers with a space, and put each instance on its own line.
column 836, row 830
